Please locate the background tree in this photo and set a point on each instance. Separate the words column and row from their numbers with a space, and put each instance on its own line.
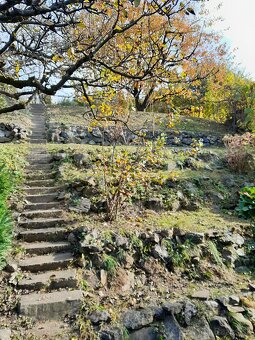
column 38, row 53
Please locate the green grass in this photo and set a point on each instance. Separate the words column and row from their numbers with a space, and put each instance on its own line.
column 12, row 163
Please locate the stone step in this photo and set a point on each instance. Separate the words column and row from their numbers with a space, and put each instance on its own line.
column 49, row 280
column 42, row 248
column 38, row 141
column 40, row 160
column 45, row 198
column 33, row 175
column 41, row 223
column 44, row 234
column 41, row 183
column 42, row 206
column 43, row 190
column 40, row 167
column 46, row 262
column 50, row 306
column 42, row 213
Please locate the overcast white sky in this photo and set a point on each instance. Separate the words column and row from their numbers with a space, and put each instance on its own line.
column 239, row 18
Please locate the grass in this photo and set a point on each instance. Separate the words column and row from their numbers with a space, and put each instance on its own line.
column 12, row 163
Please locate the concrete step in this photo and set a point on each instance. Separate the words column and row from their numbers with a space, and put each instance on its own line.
column 41, row 183
column 42, row 213
column 50, row 306
column 46, row 262
column 43, row 190
column 42, row 206
column 44, row 198
column 41, row 223
column 40, row 167
column 38, row 141
column 33, row 175
column 49, row 280
column 40, row 160
column 44, row 234
column 42, row 248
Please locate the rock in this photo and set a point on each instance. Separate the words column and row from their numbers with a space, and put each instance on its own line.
column 135, row 319
column 159, row 252
column 103, row 277
column 242, row 270
column 190, row 310
column 190, row 163
column 96, row 132
column 171, row 328
column 201, row 294
column 221, row 327
column 238, row 317
column 234, row 300
column 11, row 267
column 112, row 334
column 154, row 203
column 5, row 334
column 128, row 261
column 79, row 159
column 147, row 333
column 98, row 316
column 124, row 281
column 72, row 239
column 91, row 278
column 196, row 238
column 89, row 248
column 122, row 242
column 229, row 256
column 251, row 287
column 83, row 206
column 235, row 309
column 59, row 156
column 213, row 305
column 199, row 329
column 173, row 307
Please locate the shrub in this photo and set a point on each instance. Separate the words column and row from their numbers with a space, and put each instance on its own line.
column 240, row 155
column 246, row 206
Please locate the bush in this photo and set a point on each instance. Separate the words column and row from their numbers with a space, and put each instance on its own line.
column 240, row 155
column 246, row 206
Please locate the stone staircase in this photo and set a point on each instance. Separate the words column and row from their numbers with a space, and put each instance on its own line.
column 49, row 284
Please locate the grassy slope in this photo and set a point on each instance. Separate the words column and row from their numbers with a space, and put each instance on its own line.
column 20, row 118
column 211, row 185
column 69, row 115
column 12, row 162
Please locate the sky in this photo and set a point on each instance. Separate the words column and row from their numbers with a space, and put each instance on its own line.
column 238, row 27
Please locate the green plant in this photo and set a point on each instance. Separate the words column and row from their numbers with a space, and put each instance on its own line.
column 214, row 253
column 125, row 172
column 246, row 206
column 110, row 264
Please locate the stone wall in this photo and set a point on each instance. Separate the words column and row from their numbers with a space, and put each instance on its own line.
column 110, row 135
column 11, row 133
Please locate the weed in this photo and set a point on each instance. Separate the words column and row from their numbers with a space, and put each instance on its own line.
column 246, row 206
column 110, row 264
column 215, row 253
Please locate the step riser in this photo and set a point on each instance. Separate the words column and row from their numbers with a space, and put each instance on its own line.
column 40, row 167
column 40, row 225
column 38, row 191
column 42, row 206
column 42, row 214
column 46, row 266
column 44, row 237
column 42, row 183
column 47, row 250
column 52, row 309
column 54, row 284
column 35, row 177
column 41, row 199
